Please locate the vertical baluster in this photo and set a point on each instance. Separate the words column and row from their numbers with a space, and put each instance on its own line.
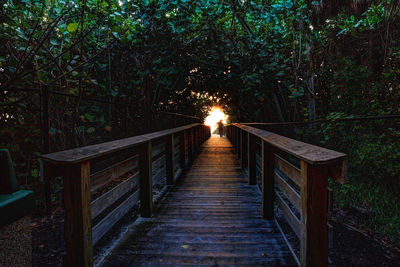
column 314, row 239
column 77, row 227
column 251, row 162
column 146, row 176
column 268, row 190
column 169, row 158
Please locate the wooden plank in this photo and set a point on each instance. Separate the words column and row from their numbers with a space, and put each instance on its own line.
column 314, row 235
column 158, row 164
column 288, row 169
column 243, row 150
column 307, row 152
column 100, row 229
column 157, row 177
column 267, row 186
column 251, row 162
column 287, row 243
column 158, row 149
column 182, row 149
column 104, row 201
column 290, row 193
column 177, row 174
column 169, row 152
column 77, row 227
column 94, row 151
column 146, row 190
column 105, row 176
column 290, row 217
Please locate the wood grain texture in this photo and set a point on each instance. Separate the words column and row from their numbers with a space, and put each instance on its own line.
column 146, row 185
column 105, row 176
column 314, row 235
column 77, row 227
column 289, row 192
column 267, row 178
column 288, row 169
column 309, row 153
column 100, row 229
column 183, row 149
column 251, row 162
column 169, row 152
column 290, row 217
column 77, row 155
column 206, row 220
column 107, row 199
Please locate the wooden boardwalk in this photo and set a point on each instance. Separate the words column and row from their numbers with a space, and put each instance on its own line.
column 212, row 217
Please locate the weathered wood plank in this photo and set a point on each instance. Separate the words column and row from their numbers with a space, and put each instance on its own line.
column 252, row 159
column 288, row 169
column 169, row 151
column 104, row 201
column 94, row 151
column 314, row 235
column 206, row 220
column 105, row 176
column 100, row 229
column 307, row 152
column 146, row 188
column 267, row 186
column 158, row 149
column 77, row 227
column 290, row 217
column 290, row 193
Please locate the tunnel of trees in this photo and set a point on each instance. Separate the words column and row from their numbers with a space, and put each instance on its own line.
column 90, row 71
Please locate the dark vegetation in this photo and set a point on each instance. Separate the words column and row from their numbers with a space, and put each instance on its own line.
column 108, row 69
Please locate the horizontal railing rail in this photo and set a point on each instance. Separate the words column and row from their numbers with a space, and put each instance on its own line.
column 298, row 188
column 102, row 182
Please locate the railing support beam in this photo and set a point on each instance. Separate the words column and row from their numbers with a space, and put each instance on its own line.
column 268, row 191
column 182, row 149
column 78, row 224
column 314, row 238
column 169, row 159
column 251, row 161
column 146, row 176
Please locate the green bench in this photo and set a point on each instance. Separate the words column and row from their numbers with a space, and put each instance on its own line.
column 15, row 209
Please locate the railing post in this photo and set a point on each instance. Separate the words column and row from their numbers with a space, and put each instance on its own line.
column 196, row 135
column 251, row 160
column 146, row 198
column 78, row 224
column 239, row 143
column 169, row 152
column 190, row 144
column 268, row 191
column 314, row 239
column 182, row 149
column 243, row 151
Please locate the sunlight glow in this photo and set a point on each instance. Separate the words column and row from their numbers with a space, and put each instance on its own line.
column 215, row 116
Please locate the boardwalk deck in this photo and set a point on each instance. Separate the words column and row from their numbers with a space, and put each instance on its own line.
column 211, row 217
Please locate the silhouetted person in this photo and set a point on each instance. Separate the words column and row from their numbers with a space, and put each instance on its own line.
column 220, row 128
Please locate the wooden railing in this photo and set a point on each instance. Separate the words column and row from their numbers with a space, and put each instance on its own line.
column 101, row 183
column 300, row 192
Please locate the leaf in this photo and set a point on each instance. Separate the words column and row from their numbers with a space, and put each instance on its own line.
column 90, row 130
column 72, row 27
column 54, row 41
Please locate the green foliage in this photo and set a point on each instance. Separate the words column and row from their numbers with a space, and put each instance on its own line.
column 262, row 60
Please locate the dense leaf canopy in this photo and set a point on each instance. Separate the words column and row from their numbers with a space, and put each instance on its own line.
column 261, row 60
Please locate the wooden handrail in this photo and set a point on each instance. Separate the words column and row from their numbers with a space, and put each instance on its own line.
column 307, row 152
column 81, row 154
column 304, row 188
column 143, row 167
